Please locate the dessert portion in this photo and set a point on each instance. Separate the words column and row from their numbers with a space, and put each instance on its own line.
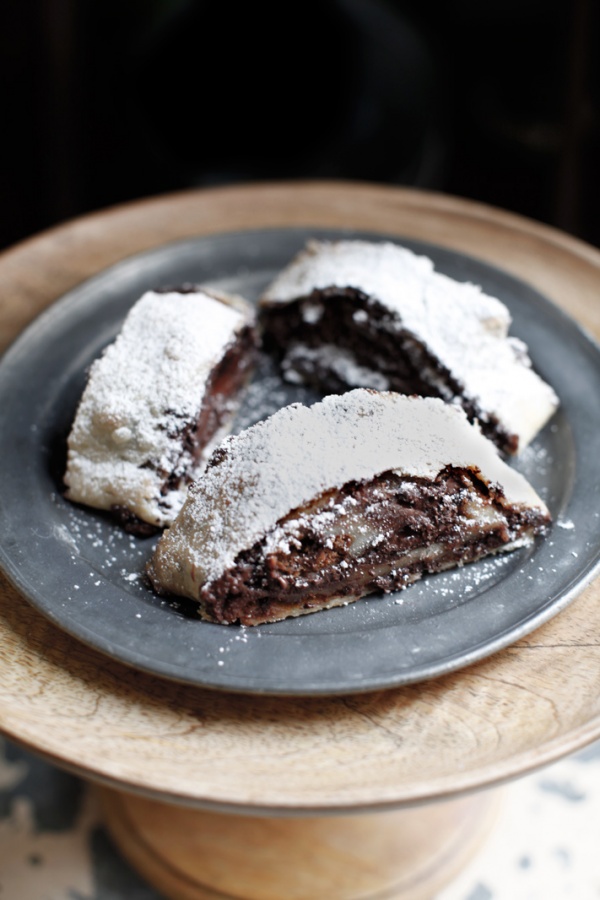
column 156, row 402
column 318, row 506
column 359, row 314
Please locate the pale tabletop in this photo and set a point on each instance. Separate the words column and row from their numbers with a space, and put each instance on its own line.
column 521, row 708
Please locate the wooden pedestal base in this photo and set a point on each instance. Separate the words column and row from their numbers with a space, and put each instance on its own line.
column 403, row 855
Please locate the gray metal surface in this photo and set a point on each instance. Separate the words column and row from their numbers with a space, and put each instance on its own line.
column 79, row 569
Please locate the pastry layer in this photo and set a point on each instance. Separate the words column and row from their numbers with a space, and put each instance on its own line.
column 359, row 314
column 318, row 506
column 156, row 402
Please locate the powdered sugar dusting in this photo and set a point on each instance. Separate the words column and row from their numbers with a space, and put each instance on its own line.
column 142, row 392
column 300, row 452
column 337, row 360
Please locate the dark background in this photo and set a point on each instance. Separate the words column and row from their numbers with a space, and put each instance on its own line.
column 109, row 100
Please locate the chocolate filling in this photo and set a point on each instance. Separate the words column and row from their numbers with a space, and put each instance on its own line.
column 375, row 536
column 223, row 388
column 383, row 354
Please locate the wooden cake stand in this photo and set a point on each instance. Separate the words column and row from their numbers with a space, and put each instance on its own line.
column 215, row 795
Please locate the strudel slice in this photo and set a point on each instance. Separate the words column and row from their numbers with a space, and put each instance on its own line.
column 318, row 506
column 360, row 314
column 156, row 402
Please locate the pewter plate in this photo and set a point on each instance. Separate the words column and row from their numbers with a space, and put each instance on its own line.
column 86, row 575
